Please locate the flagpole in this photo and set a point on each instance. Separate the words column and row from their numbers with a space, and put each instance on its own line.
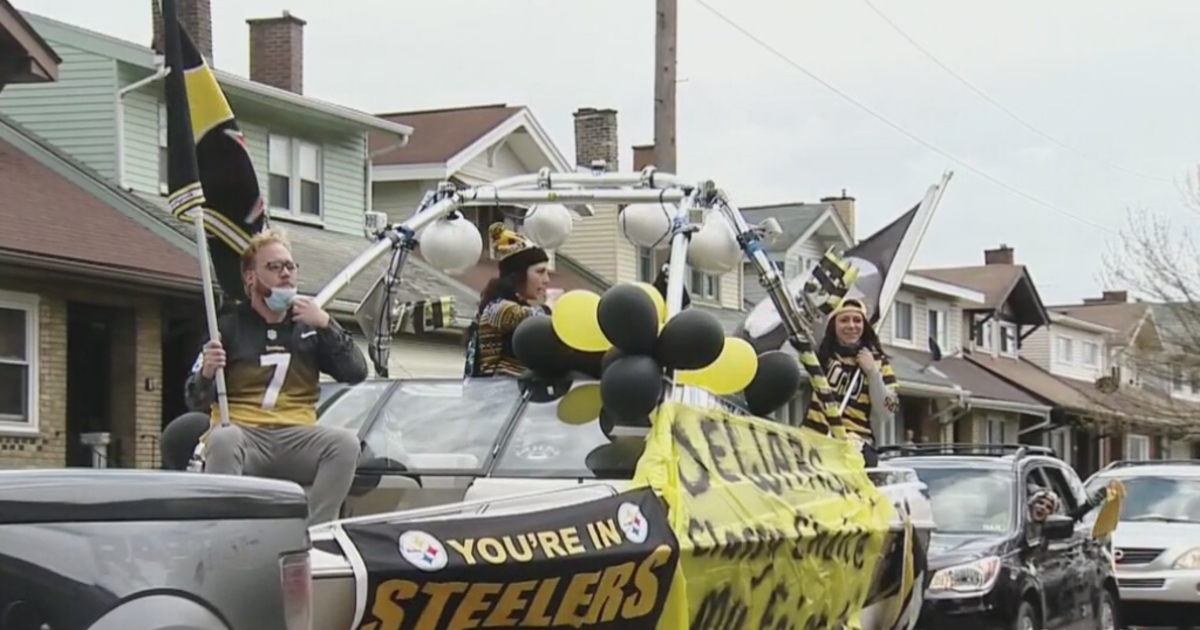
column 210, row 309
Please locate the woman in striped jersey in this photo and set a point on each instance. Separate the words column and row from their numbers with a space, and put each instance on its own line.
column 849, row 347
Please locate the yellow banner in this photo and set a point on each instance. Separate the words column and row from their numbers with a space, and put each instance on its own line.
column 779, row 528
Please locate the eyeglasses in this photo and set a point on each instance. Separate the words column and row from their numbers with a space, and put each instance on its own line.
column 277, row 266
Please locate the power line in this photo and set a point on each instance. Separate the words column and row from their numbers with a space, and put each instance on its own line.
column 912, row 136
column 981, row 94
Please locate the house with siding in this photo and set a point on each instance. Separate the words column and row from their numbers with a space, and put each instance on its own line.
column 598, row 244
column 808, row 230
column 314, row 159
column 930, row 323
column 468, row 146
column 90, row 283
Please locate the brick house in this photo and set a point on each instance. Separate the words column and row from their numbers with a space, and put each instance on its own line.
column 87, row 279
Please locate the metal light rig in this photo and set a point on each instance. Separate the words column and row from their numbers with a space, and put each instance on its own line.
column 601, row 187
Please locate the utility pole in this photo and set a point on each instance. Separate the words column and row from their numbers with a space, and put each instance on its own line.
column 664, row 85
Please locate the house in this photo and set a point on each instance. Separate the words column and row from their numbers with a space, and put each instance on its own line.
column 598, row 244
column 808, row 230
column 934, row 312
column 1148, row 411
column 314, row 159
column 90, row 286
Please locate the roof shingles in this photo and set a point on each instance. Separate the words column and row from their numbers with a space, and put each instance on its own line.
column 44, row 213
column 447, row 133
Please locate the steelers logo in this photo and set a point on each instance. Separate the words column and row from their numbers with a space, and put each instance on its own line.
column 633, row 523
column 423, row 551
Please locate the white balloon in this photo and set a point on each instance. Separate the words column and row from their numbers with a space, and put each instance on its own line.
column 647, row 224
column 714, row 248
column 451, row 245
column 548, row 225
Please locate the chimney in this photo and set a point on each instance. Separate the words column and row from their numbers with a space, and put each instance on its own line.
column 643, row 156
column 596, row 137
column 1109, row 297
column 277, row 52
column 844, row 206
column 1002, row 255
column 196, row 18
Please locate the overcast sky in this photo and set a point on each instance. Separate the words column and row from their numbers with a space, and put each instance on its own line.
column 1114, row 81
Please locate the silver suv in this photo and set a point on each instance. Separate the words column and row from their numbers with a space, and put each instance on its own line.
column 1156, row 547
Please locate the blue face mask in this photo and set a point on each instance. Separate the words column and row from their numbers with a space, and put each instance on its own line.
column 280, row 299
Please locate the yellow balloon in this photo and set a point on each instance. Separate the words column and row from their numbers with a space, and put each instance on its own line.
column 581, row 405
column 574, row 321
column 660, row 304
column 733, row 370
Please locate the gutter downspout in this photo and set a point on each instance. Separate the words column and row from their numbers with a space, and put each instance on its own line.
column 161, row 71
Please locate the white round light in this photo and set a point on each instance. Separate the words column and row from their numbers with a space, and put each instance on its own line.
column 714, row 248
column 548, row 225
column 647, row 224
column 451, row 245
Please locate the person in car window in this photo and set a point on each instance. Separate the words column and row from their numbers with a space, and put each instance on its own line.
column 273, row 349
column 851, row 345
column 1044, row 502
column 518, row 293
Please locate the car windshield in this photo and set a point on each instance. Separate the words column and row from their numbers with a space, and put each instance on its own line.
column 969, row 500
column 1155, row 498
column 563, row 438
column 439, row 426
column 349, row 406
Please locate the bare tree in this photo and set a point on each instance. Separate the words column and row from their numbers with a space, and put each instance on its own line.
column 1158, row 261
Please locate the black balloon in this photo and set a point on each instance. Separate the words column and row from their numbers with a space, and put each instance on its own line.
column 628, row 318
column 590, row 364
column 775, row 383
column 691, row 340
column 539, row 349
column 610, row 357
column 631, row 386
column 179, row 439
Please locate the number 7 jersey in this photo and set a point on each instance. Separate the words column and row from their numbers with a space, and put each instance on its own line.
column 272, row 371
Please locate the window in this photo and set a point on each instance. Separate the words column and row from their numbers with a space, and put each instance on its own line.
column 1008, row 339
column 18, row 362
column 1091, row 353
column 984, row 334
column 295, row 176
column 937, row 326
column 1137, row 447
column 646, row 270
column 1066, row 350
column 162, row 149
column 701, row 285
column 1176, row 378
column 902, row 322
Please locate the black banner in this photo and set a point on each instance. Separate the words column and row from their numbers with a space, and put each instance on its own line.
column 604, row 565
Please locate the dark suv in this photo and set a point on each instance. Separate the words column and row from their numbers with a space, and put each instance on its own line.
column 992, row 568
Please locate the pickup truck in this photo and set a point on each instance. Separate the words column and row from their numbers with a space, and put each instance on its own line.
column 85, row 549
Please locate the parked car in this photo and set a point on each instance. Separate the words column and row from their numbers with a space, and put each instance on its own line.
column 988, row 569
column 457, row 449
column 1157, row 544
column 86, row 549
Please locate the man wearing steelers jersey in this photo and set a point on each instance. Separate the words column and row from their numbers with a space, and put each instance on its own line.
column 273, row 349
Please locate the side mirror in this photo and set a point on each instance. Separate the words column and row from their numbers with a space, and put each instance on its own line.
column 1058, row 527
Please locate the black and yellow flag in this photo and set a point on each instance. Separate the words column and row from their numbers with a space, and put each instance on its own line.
column 208, row 163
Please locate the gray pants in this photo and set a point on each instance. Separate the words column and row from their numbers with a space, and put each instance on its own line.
column 322, row 459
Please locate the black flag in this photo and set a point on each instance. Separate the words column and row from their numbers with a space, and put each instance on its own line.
column 882, row 260
column 208, row 165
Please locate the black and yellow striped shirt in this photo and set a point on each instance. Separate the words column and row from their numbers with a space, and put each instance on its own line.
column 840, row 371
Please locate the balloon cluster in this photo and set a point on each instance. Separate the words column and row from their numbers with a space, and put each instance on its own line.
column 625, row 339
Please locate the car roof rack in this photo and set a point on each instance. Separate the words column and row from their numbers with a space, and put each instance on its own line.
column 1017, row 451
column 1130, row 463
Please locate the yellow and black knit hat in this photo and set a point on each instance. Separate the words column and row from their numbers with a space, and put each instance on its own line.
column 849, row 305
column 517, row 253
